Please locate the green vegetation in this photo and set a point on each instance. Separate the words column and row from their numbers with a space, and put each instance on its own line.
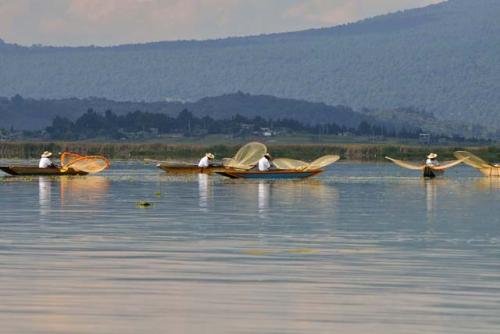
column 364, row 152
column 81, row 118
column 140, row 125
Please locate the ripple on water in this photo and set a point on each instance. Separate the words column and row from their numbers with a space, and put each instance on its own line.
column 361, row 248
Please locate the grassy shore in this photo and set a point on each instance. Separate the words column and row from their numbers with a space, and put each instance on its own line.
column 160, row 151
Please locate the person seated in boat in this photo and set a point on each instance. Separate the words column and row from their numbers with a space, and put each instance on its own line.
column 206, row 161
column 432, row 160
column 45, row 161
column 265, row 163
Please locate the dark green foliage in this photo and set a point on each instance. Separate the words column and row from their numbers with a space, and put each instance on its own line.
column 26, row 113
column 141, row 125
column 93, row 125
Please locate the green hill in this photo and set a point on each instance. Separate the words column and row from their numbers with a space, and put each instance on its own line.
column 441, row 58
column 35, row 114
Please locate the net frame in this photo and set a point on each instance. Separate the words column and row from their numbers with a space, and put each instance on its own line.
column 486, row 168
column 421, row 166
column 299, row 165
column 246, row 157
column 89, row 164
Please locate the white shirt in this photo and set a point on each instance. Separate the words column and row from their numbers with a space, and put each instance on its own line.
column 204, row 162
column 264, row 164
column 44, row 163
column 430, row 162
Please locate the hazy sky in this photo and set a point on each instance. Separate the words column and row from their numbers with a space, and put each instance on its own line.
column 106, row 22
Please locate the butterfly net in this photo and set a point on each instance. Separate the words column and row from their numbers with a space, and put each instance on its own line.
column 448, row 164
column 285, row 163
column 407, row 165
column 420, row 166
column 472, row 160
column 67, row 157
column 323, row 162
column 247, row 156
column 89, row 164
column 484, row 167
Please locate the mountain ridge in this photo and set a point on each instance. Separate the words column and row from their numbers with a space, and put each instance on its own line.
column 31, row 114
column 440, row 58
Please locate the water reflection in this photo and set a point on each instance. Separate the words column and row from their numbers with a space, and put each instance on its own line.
column 312, row 189
column 430, row 187
column 273, row 194
column 488, row 183
column 348, row 255
column 263, row 198
column 89, row 190
column 203, row 190
column 44, row 194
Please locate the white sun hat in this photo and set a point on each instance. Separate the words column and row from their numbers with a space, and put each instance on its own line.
column 46, row 154
column 210, row 156
column 432, row 156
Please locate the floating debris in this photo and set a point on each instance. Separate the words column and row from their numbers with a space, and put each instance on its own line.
column 256, row 251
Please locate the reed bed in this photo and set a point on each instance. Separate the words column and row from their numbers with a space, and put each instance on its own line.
column 162, row 151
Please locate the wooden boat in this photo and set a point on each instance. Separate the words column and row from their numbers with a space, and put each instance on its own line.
column 34, row 171
column 280, row 174
column 190, row 169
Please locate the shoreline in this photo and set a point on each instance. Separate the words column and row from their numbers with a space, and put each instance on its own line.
column 164, row 151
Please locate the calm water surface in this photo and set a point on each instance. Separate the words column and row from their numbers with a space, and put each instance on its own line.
column 364, row 248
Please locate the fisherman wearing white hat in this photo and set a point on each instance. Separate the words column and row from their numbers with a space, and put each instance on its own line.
column 265, row 163
column 206, row 161
column 45, row 161
column 432, row 160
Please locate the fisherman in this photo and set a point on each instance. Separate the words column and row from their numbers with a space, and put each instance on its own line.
column 206, row 161
column 265, row 163
column 45, row 161
column 432, row 160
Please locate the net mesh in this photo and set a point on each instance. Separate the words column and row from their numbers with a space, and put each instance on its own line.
column 323, row 162
column 484, row 167
column 285, row 163
column 421, row 166
column 407, row 165
column 472, row 160
column 89, row 164
column 246, row 157
column 67, row 157
column 448, row 164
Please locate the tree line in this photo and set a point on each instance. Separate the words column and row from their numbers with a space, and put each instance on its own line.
column 109, row 125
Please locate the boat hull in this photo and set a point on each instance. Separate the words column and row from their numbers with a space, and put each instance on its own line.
column 190, row 169
column 35, row 171
column 270, row 175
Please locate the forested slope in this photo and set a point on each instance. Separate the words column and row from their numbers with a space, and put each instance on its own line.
column 442, row 58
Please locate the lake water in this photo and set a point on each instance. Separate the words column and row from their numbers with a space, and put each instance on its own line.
column 363, row 248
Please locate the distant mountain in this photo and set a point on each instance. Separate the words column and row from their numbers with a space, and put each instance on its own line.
column 442, row 58
column 35, row 114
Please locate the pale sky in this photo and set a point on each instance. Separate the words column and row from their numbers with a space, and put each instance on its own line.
column 111, row 22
